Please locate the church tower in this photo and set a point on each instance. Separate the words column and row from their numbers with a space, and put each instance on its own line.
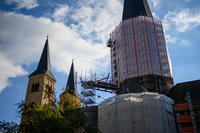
column 41, row 81
column 139, row 53
column 71, row 88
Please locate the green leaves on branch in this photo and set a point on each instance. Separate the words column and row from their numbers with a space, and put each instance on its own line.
column 66, row 116
column 8, row 127
column 43, row 119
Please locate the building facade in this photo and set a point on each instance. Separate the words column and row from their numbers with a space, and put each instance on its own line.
column 187, row 100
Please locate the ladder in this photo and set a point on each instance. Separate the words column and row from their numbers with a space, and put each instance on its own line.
column 191, row 112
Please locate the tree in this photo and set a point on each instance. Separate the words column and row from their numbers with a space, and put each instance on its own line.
column 72, row 111
column 8, row 127
column 69, row 102
column 64, row 116
column 43, row 119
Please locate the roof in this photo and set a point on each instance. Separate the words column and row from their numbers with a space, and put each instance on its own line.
column 44, row 63
column 71, row 87
column 132, row 87
column 135, row 8
column 178, row 92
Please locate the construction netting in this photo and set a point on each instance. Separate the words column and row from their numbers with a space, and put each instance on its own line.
column 139, row 48
column 137, row 113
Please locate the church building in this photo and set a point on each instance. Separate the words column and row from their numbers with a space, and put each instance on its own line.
column 42, row 81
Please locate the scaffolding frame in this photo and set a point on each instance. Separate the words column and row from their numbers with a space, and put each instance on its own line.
column 92, row 83
column 89, row 85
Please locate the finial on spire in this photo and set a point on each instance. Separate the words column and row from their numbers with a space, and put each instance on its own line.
column 48, row 36
column 73, row 60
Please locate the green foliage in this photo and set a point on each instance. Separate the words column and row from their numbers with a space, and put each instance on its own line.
column 72, row 111
column 49, row 94
column 43, row 119
column 8, row 127
column 66, row 116
column 69, row 102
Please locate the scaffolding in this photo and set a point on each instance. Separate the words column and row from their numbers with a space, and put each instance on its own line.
column 188, row 115
column 138, row 50
column 89, row 85
column 92, row 83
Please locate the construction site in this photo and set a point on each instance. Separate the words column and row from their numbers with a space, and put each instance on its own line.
column 146, row 99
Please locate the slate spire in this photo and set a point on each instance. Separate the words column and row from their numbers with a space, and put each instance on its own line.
column 44, row 63
column 135, row 8
column 71, row 87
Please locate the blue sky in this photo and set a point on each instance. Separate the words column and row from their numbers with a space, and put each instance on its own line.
column 79, row 29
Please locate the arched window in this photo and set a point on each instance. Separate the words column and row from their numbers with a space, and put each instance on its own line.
column 35, row 87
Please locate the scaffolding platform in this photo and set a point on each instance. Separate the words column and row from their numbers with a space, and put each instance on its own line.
column 92, row 83
column 88, row 101
column 87, row 93
column 100, row 86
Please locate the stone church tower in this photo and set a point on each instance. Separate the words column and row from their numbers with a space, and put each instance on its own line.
column 41, row 80
column 71, row 88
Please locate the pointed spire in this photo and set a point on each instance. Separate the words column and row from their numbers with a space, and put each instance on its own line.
column 135, row 8
column 71, row 87
column 44, row 63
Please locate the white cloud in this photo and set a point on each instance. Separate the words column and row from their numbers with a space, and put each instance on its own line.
column 155, row 16
column 28, row 4
column 177, row 41
column 22, row 38
column 95, row 20
column 182, row 20
column 170, row 39
column 8, row 69
column 184, row 43
column 155, row 3
column 26, row 36
column 60, row 13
